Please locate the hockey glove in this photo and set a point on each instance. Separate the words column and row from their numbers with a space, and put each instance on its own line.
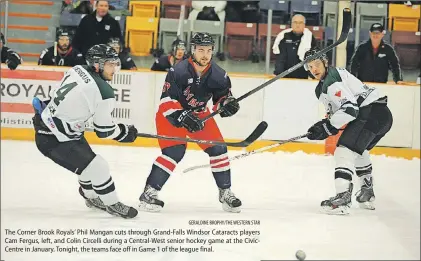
column 186, row 119
column 321, row 130
column 13, row 60
column 230, row 107
column 128, row 133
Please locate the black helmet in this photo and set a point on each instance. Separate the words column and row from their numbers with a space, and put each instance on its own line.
column 203, row 39
column 178, row 44
column 99, row 54
column 63, row 32
column 312, row 52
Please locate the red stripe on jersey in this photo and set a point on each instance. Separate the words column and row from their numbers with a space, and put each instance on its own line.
column 165, row 163
column 170, row 104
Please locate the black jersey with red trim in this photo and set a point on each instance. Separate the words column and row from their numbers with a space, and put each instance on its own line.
column 185, row 89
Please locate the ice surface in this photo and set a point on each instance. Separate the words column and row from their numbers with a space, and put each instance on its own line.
column 282, row 190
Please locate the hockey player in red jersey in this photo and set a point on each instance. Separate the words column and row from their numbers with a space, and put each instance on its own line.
column 187, row 89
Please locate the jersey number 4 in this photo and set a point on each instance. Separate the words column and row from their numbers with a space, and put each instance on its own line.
column 62, row 91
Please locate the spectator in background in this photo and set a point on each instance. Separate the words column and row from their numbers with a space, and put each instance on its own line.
column 127, row 62
column 77, row 6
column 64, row 54
column 96, row 28
column 290, row 46
column 208, row 10
column 8, row 56
column 373, row 59
column 178, row 53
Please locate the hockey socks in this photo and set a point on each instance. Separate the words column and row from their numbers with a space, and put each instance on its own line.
column 102, row 183
column 220, row 166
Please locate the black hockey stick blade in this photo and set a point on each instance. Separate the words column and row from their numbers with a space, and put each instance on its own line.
column 346, row 25
column 258, row 131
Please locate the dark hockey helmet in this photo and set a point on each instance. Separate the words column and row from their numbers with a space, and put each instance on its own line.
column 115, row 43
column 99, row 54
column 314, row 51
column 62, row 32
column 177, row 44
column 203, row 39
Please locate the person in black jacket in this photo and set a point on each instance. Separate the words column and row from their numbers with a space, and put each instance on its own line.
column 290, row 46
column 96, row 28
column 165, row 62
column 127, row 62
column 373, row 59
column 8, row 56
column 64, row 55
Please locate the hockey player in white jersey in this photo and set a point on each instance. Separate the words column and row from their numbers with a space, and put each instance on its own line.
column 60, row 124
column 363, row 114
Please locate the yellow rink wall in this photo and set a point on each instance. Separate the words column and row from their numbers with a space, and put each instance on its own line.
column 28, row 135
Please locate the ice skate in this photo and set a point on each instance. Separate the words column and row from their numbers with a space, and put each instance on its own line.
column 149, row 200
column 365, row 197
column 230, row 202
column 92, row 202
column 339, row 204
column 121, row 210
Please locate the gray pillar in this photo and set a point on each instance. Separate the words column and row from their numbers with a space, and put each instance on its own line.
column 268, row 40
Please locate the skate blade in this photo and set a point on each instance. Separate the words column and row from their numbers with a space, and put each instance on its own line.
column 143, row 206
column 341, row 210
column 227, row 208
column 120, row 215
column 367, row 205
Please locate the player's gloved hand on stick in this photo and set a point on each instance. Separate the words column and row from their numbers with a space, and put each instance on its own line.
column 321, row 130
column 230, row 107
column 128, row 133
column 186, row 119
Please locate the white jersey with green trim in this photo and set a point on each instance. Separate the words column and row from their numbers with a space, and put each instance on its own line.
column 82, row 95
column 343, row 94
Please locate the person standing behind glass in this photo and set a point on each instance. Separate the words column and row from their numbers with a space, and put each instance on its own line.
column 373, row 59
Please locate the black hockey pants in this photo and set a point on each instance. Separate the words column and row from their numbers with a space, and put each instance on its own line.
column 372, row 123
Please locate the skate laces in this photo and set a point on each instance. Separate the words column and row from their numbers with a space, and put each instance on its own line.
column 97, row 201
column 228, row 195
column 120, row 207
column 150, row 192
column 345, row 196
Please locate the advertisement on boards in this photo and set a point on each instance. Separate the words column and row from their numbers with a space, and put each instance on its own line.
column 18, row 89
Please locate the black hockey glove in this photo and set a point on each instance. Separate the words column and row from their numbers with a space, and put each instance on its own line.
column 13, row 60
column 321, row 130
column 128, row 133
column 230, row 107
column 186, row 119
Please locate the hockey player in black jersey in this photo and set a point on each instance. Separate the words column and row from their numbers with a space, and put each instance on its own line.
column 64, row 55
column 127, row 62
column 8, row 56
column 187, row 89
column 365, row 117
column 60, row 124
column 178, row 54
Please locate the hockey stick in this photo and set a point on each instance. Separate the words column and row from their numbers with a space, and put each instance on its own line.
column 346, row 22
column 248, row 153
column 258, row 131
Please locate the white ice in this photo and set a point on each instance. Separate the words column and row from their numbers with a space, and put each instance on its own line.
column 282, row 190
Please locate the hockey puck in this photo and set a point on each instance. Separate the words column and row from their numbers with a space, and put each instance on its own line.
column 300, row 255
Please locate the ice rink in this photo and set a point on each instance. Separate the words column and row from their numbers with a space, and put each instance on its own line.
column 281, row 190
